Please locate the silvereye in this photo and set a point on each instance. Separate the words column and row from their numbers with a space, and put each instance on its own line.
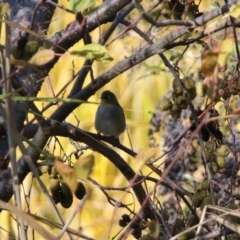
column 110, row 119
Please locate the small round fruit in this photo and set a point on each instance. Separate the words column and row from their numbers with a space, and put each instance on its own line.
column 122, row 223
column 188, row 83
column 181, row 102
column 223, row 151
column 221, row 162
column 67, row 197
column 176, row 86
column 165, row 104
column 54, row 185
column 175, row 111
column 80, row 191
column 197, row 200
column 126, row 218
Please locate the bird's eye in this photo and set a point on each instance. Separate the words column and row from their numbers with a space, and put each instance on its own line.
column 108, row 97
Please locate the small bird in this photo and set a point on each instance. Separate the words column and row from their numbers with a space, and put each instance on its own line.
column 110, row 119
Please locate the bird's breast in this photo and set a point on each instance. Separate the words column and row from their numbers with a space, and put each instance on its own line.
column 110, row 120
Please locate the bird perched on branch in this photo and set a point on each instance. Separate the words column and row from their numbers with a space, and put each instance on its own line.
column 110, row 118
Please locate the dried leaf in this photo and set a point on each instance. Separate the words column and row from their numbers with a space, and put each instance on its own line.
column 68, row 174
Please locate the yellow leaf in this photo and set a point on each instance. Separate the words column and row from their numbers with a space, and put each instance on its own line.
column 84, row 167
column 226, row 48
column 42, row 57
column 145, row 155
column 68, row 174
column 235, row 10
column 209, row 61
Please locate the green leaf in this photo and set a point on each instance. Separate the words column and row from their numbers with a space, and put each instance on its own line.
column 235, row 10
column 80, row 5
column 42, row 57
column 94, row 52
